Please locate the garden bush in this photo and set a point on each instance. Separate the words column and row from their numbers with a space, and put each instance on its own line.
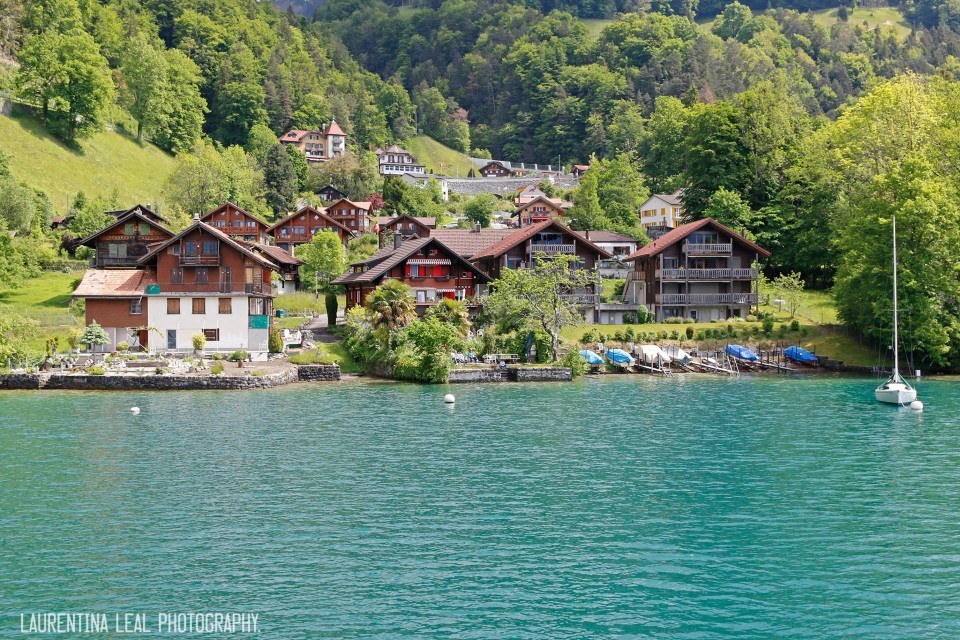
column 96, row 371
column 216, row 368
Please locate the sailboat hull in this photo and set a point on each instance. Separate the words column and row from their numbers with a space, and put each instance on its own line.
column 896, row 393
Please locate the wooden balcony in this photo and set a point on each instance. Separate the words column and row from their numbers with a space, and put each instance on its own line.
column 708, row 248
column 551, row 249
column 707, row 274
column 200, row 260
column 706, row 298
column 582, row 298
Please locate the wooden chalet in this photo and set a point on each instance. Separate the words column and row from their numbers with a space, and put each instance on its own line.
column 539, row 209
column 237, row 223
column 430, row 268
column 496, row 169
column 300, row 227
column 115, row 299
column 287, row 279
column 123, row 242
column 407, row 226
column 355, row 216
column 701, row 270
column 331, row 194
column 580, row 169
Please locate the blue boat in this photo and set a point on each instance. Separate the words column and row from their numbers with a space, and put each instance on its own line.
column 591, row 357
column 620, row 357
column 799, row 354
column 741, row 353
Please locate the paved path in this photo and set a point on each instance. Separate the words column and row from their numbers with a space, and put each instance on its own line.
column 318, row 327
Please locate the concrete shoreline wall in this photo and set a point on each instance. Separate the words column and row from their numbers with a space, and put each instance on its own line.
column 512, row 374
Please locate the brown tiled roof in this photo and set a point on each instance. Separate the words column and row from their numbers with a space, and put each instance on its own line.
column 123, row 220
column 469, row 242
column 115, row 283
column 582, row 167
column 387, row 258
column 525, row 233
column 146, row 210
column 215, row 232
column 209, row 214
column 322, row 212
column 334, row 129
column 554, row 202
column 276, row 254
column 363, row 204
column 294, row 135
column 684, row 230
column 426, row 221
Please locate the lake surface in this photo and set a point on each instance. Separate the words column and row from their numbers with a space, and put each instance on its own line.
column 628, row 506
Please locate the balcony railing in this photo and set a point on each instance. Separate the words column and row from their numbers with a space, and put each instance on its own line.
column 201, row 260
column 708, row 248
column 706, row 298
column 107, row 261
column 582, row 298
column 262, row 287
column 708, row 274
column 551, row 248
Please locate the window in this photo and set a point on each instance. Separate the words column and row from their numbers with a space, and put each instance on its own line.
column 199, row 306
column 213, row 335
column 257, row 307
column 226, row 305
column 136, row 307
column 173, row 306
column 460, row 294
column 251, row 223
column 203, row 276
column 222, row 224
column 117, row 250
column 176, row 275
column 175, row 249
column 129, row 229
column 285, row 231
column 299, row 231
column 413, row 271
column 466, row 274
column 211, row 248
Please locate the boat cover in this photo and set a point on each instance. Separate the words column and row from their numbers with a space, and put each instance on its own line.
column 619, row 356
column 591, row 357
column 651, row 354
column 741, row 353
column 678, row 354
column 799, row 354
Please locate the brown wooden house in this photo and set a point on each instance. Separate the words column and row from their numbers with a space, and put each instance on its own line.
column 701, row 270
column 539, row 209
column 235, row 222
column 496, row 169
column 430, row 268
column 300, row 227
column 124, row 242
column 407, row 226
column 355, row 216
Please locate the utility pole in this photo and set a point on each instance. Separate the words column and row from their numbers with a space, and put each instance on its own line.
column 316, row 285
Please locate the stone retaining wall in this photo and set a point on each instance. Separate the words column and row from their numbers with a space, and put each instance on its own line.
column 143, row 383
column 319, row 372
column 512, row 374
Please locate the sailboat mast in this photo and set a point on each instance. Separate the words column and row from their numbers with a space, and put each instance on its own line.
column 896, row 324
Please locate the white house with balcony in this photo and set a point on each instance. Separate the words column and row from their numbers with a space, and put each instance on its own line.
column 396, row 161
column 701, row 270
column 662, row 212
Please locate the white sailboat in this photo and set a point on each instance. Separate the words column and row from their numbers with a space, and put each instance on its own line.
column 896, row 390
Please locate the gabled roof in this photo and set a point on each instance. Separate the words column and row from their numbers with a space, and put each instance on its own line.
column 469, row 242
column 363, row 204
column 581, row 167
column 210, row 214
column 394, row 149
column 676, row 235
column 142, row 208
column 333, row 129
column 330, row 186
column 556, row 204
column 674, row 199
column 295, row 135
column 134, row 213
column 276, row 254
column 220, row 235
column 525, row 233
column 114, row 283
column 502, row 163
column 310, row 211
column 426, row 221
column 380, row 263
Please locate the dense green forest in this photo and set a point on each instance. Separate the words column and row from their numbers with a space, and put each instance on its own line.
column 806, row 137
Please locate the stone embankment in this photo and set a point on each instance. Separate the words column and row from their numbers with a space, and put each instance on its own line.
column 512, row 374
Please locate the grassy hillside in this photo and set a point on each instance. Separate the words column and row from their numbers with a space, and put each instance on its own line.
column 872, row 16
column 596, row 25
column 106, row 162
column 46, row 299
column 431, row 153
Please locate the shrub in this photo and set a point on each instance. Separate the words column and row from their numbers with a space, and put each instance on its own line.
column 216, row 368
column 630, row 317
column 701, row 335
column 644, row 315
column 729, row 329
column 782, row 331
column 578, row 366
column 795, row 325
column 199, row 341
column 239, row 355
column 751, row 318
column 674, row 335
column 275, row 343
column 589, row 336
column 619, row 336
column 216, row 356
column 662, row 335
column 630, row 335
column 689, row 333
column 804, row 332
column 96, row 371
column 123, row 347
column 767, row 325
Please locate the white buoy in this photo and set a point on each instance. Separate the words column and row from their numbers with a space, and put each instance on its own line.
column 916, row 405
column 449, row 399
column 134, row 410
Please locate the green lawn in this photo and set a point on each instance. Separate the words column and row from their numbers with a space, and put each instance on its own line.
column 46, row 299
column 431, row 153
column 596, row 25
column 106, row 162
column 329, row 353
column 873, row 16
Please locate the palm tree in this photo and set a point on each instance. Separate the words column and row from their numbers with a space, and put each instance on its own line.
column 452, row 312
column 391, row 306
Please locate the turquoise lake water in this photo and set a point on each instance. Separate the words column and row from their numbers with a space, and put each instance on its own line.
column 628, row 506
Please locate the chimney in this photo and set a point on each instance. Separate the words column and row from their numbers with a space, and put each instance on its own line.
column 397, row 241
column 477, row 227
column 586, row 234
